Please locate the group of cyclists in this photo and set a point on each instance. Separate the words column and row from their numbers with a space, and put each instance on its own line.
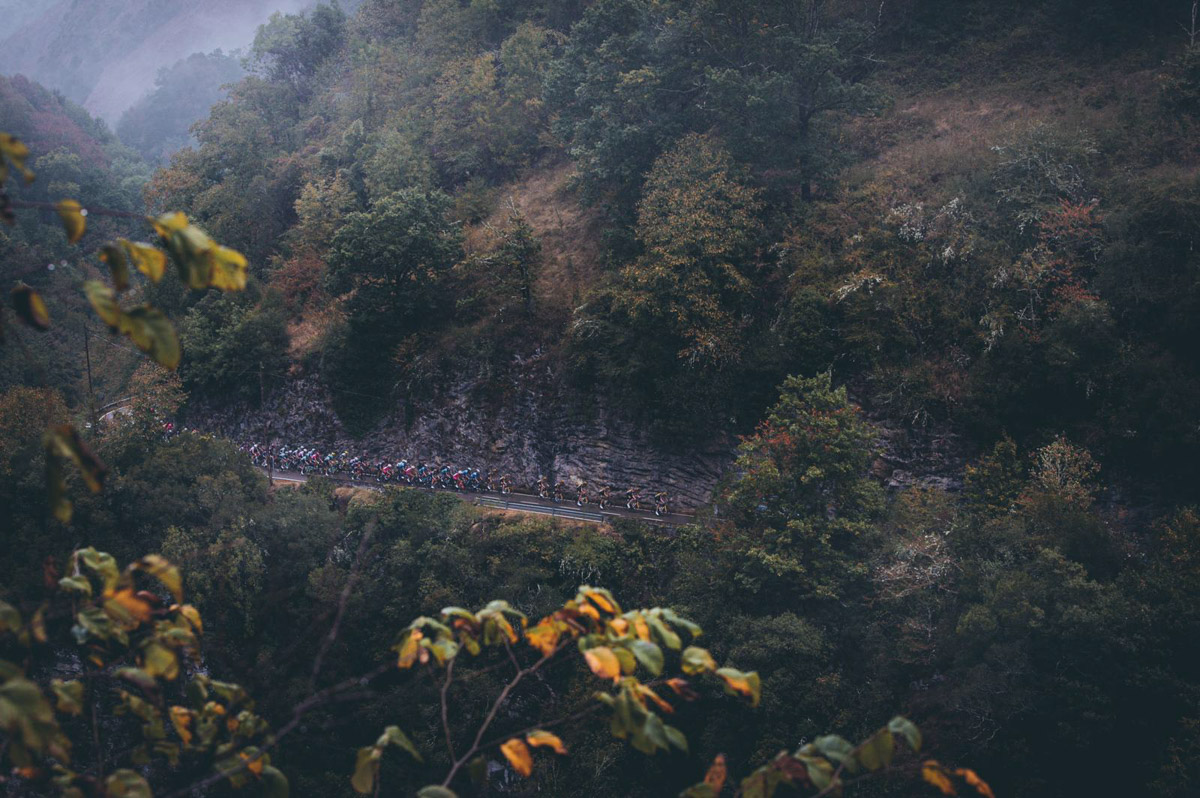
column 307, row 460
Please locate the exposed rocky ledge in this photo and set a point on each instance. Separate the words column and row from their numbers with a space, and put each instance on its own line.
column 535, row 432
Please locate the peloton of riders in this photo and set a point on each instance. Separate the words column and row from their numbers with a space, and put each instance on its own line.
column 308, row 460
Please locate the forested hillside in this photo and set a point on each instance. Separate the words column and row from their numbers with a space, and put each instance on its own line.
column 900, row 299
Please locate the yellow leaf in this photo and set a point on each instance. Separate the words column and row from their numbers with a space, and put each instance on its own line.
column 181, row 719
column 409, row 649
column 161, row 569
column 104, row 302
column 153, row 333
column 14, row 150
column 539, row 738
column 37, row 624
column 228, row 269
column 192, row 615
column 619, row 625
column 972, row 778
column 202, row 262
column 149, row 260
column 160, row 661
column 715, row 777
column 518, row 755
column 30, row 307
column 603, row 662
column 932, row 773
column 73, row 218
column 697, row 660
column 169, row 223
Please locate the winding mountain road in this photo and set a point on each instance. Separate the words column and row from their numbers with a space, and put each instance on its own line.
column 519, row 502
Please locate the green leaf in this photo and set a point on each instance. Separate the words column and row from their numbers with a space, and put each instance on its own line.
column 435, row 791
column 676, row 738
column 876, row 752
column 649, row 654
column 128, row 784
column 161, row 569
column 10, row 618
column 275, row 784
column 118, row 264
column 837, row 749
column 69, row 695
column 74, row 219
column 76, row 584
column 30, row 307
column 63, row 443
column 670, row 615
column 146, row 326
column 393, row 736
column 820, row 772
column 668, row 637
column 100, row 563
column 626, row 659
column 906, row 729
column 697, row 660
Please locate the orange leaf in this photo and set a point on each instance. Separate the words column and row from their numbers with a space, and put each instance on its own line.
column 932, row 772
column 972, row 778
column 517, row 754
column 600, row 600
column 544, row 636
column 653, row 696
column 715, row 777
column 641, row 627
column 132, row 604
column 255, row 766
column 603, row 662
column 682, row 688
column 539, row 738
column 747, row 684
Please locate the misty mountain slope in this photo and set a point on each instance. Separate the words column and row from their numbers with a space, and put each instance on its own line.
column 104, row 54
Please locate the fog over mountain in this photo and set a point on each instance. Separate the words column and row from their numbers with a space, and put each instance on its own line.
column 105, row 54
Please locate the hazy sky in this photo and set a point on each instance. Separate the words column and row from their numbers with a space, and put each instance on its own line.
column 105, row 54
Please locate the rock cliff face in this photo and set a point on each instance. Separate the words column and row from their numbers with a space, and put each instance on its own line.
column 537, row 430
column 540, row 429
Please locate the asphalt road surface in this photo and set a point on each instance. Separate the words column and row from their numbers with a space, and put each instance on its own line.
column 523, row 503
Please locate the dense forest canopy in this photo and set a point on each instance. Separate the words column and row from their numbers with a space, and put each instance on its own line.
column 932, row 264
